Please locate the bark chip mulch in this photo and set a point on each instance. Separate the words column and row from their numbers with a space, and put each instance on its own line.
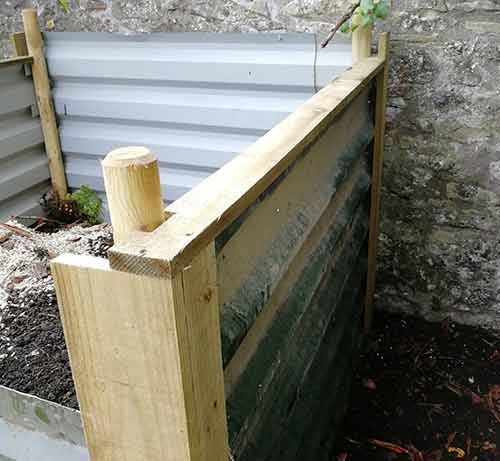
column 424, row 392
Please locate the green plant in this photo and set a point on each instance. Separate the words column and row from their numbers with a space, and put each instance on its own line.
column 366, row 14
column 88, row 202
column 64, row 5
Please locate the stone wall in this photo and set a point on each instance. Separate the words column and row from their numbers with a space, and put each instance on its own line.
column 441, row 205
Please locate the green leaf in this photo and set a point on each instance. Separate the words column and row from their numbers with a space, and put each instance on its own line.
column 354, row 27
column 368, row 20
column 345, row 28
column 88, row 202
column 382, row 10
column 367, row 5
column 64, row 5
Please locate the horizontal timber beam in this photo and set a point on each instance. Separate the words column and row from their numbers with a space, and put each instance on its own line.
column 205, row 211
column 16, row 61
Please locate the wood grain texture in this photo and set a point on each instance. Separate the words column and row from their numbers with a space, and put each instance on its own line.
column 145, row 356
column 20, row 45
column 253, row 262
column 260, row 402
column 41, row 81
column 132, row 183
column 332, row 221
column 15, row 61
column 206, row 210
column 295, row 201
column 378, row 163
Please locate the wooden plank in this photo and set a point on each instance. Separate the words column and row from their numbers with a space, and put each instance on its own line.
column 378, row 163
column 15, row 61
column 205, row 211
column 145, row 356
column 330, row 219
column 295, row 200
column 254, row 260
column 20, row 45
column 41, row 81
column 268, row 387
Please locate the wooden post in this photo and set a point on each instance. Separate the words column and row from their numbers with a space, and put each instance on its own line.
column 146, row 359
column 34, row 42
column 378, row 160
column 19, row 41
column 145, row 351
column 361, row 40
column 132, row 181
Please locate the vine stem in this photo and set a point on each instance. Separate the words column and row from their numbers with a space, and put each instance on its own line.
column 341, row 21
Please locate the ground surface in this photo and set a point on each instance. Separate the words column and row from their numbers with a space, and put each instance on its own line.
column 421, row 390
column 430, row 389
column 33, row 355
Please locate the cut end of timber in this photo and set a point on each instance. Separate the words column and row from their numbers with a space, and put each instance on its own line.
column 30, row 12
column 129, row 156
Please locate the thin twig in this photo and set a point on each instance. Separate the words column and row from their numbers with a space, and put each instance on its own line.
column 341, row 21
column 16, row 230
column 41, row 218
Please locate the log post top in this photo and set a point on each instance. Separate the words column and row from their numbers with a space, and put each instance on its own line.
column 125, row 157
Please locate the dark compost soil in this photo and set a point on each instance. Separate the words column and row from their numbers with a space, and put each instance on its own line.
column 424, row 391
column 33, row 355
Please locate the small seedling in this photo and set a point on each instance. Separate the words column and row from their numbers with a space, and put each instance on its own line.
column 88, row 202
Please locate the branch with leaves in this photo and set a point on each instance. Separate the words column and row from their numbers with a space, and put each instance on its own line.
column 366, row 13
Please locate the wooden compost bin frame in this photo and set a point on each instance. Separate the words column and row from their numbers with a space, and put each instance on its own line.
column 154, row 387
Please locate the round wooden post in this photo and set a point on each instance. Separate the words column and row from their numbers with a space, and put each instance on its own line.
column 34, row 43
column 361, row 40
column 132, row 182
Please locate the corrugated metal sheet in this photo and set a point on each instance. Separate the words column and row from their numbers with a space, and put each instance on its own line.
column 24, row 172
column 195, row 99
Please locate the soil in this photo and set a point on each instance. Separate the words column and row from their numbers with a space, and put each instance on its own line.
column 424, row 391
column 33, row 355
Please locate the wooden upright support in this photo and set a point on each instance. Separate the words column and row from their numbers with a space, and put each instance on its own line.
column 132, row 180
column 145, row 351
column 361, row 40
column 34, row 43
column 378, row 160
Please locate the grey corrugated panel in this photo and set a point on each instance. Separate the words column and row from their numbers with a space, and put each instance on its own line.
column 195, row 99
column 184, row 147
column 257, row 59
column 19, row 131
column 246, row 110
column 16, row 90
column 24, row 172
column 175, row 181
column 32, row 429
column 25, row 203
column 21, row 171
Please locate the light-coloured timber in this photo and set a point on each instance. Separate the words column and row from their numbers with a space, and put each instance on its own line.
column 34, row 42
column 206, row 210
column 296, row 201
column 146, row 359
column 378, row 161
column 132, row 182
column 19, row 41
column 15, row 61
column 361, row 40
